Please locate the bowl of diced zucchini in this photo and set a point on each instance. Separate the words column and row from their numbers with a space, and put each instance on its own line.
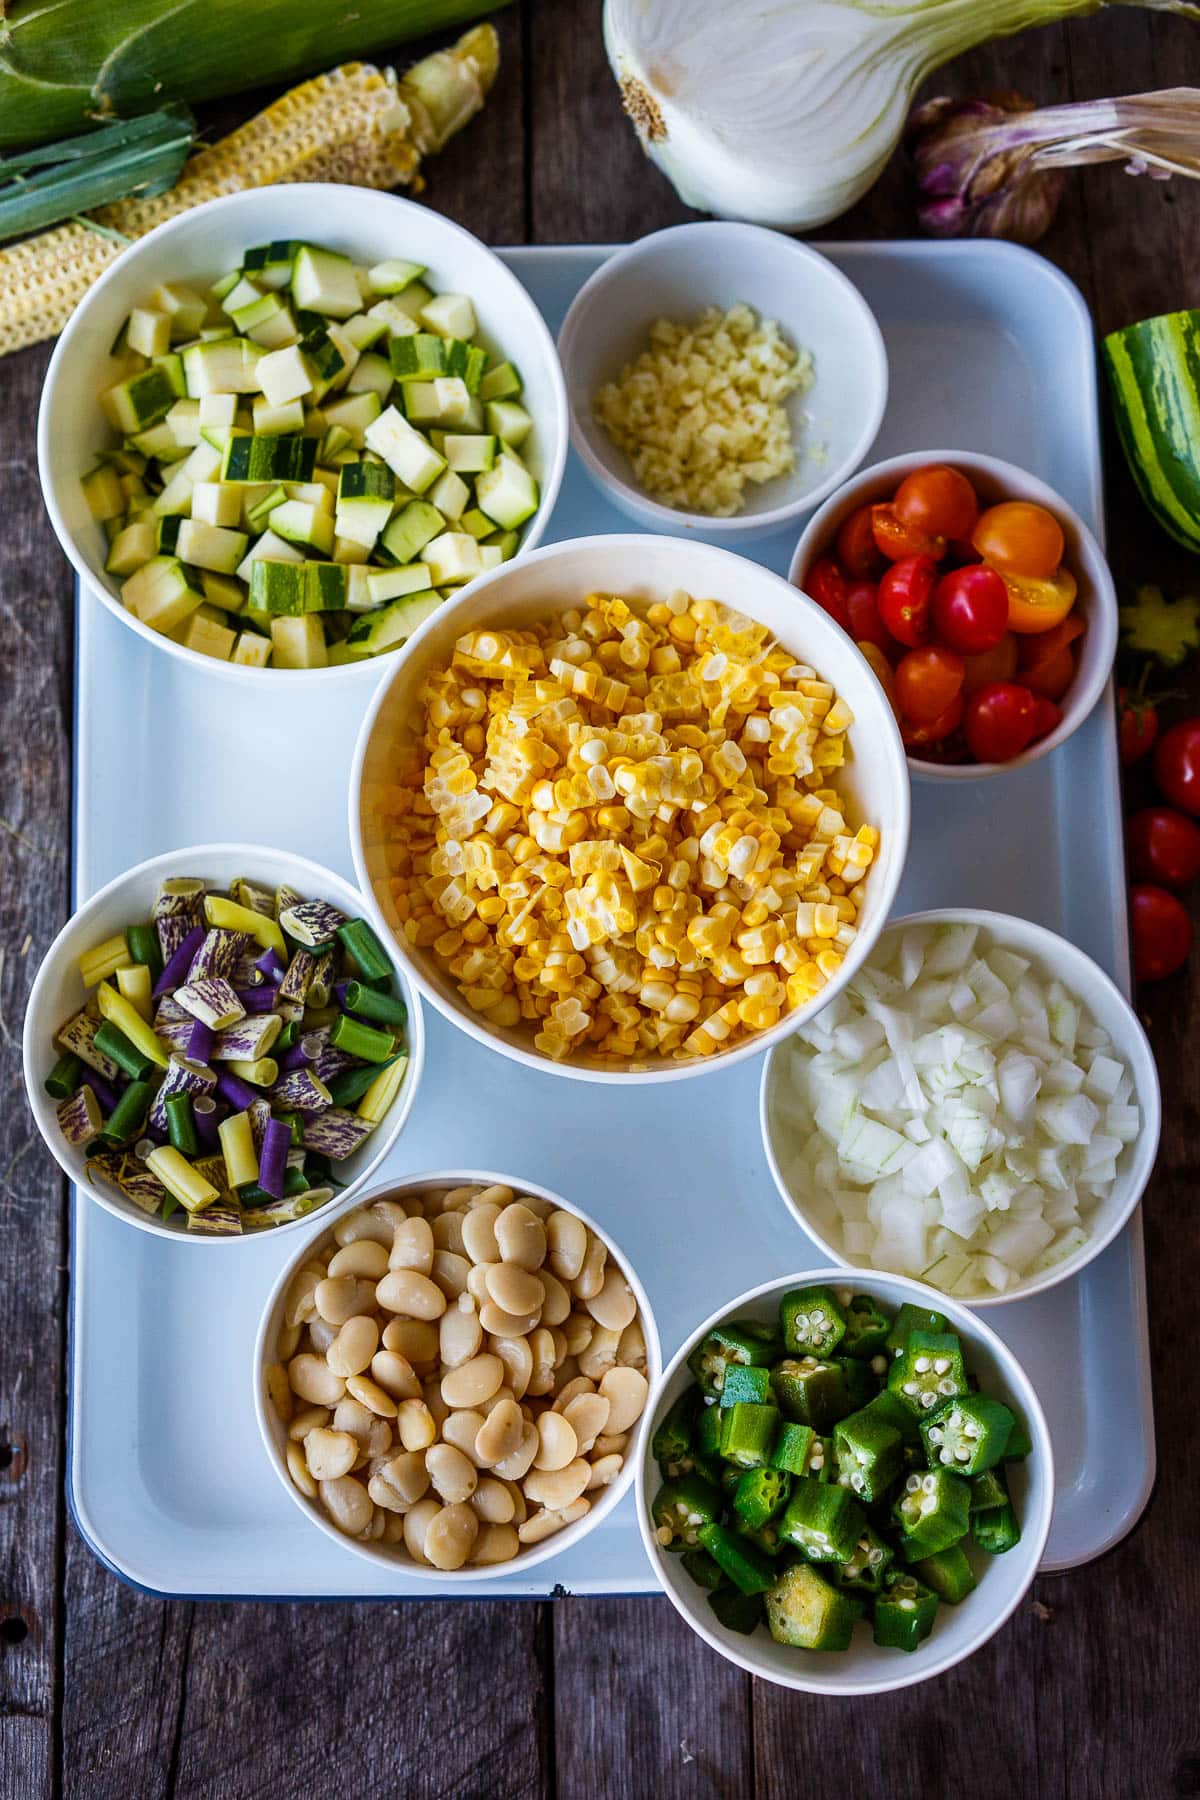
column 283, row 428
column 847, row 1482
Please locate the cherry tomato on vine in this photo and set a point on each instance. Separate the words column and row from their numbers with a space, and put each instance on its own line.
column 927, row 682
column 826, row 584
column 999, row 664
column 1137, row 726
column 896, row 540
column 1163, row 846
column 1161, row 930
column 857, row 550
column 1177, row 765
column 999, row 721
column 862, row 606
column 938, row 502
column 916, row 737
column 970, row 609
column 905, row 594
column 1019, row 537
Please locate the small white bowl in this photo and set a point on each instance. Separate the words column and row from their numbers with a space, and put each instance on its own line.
column 675, row 274
column 58, row 992
column 394, row 1559
column 958, row 1631
column 198, row 245
column 1056, row 959
column 642, row 570
column 993, row 481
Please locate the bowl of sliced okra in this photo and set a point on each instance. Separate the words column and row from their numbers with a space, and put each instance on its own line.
column 282, row 428
column 217, row 1044
column 847, row 1483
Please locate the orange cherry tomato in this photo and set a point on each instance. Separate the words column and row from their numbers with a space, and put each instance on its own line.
column 997, row 664
column 1018, row 537
column 1039, row 603
column 917, row 736
column 857, row 550
column 896, row 540
column 927, row 682
column 938, row 501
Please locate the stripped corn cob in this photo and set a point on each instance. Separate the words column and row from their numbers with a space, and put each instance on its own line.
column 357, row 124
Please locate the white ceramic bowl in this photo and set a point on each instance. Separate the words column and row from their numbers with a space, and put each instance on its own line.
column 1054, row 958
column 675, row 274
column 958, row 1630
column 993, row 481
column 58, row 992
column 395, row 1559
column 201, row 243
column 642, row 569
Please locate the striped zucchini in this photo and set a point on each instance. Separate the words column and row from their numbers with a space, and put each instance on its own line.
column 1154, row 375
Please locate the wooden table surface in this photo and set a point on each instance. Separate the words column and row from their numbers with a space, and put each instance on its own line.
column 1093, row 1689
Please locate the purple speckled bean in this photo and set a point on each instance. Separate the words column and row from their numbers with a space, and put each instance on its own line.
column 259, row 999
column 103, row 1092
column 272, row 965
column 239, row 1094
column 208, row 1115
column 218, row 954
column 175, row 971
column 201, row 1041
column 183, row 1076
column 272, row 1158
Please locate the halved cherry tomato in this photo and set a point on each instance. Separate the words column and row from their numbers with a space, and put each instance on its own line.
column 905, row 594
column 1047, row 717
column 1161, row 931
column 999, row 721
column 862, row 606
column 917, row 736
column 999, row 664
column 857, row 550
column 826, row 584
column 1051, row 679
column 1177, row 765
column 1018, row 537
column 896, row 540
column 1039, row 603
column 1137, row 726
column 1163, row 846
column 927, row 681
column 970, row 609
column 882, row 670
column 937, row 501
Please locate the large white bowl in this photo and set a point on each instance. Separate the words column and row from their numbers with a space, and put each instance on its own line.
column 393, row 1558
column 642, row 569
column 1055, row 959
column 993, row 480
column 675, row 274
column 958, row 1630
column 58, row 992
column 197, row 246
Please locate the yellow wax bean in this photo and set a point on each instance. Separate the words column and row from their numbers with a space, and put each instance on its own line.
column 262, row 1072
column 382, row 1091
column 237, row 1147
column 126, row 1018
column 179, row 1178
column 103, row 960
column 227, row 915
column 135, row 984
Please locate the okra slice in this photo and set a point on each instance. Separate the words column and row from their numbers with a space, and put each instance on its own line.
column 748, row 1432
column 747, row 1567
column 822, row 1520
column 681, row 1508
column 904, row 1613
column 865, row 1571
column 870, row 1454
column 743, row 1341
column 739, row 1612
column 812, row 1320
column 746, row 1381
column 866, row 1329
column 765, row 1538
column 893, row 1411
column 988, row 1490
column 968, row 1435
column 933, row 1512
column 948, row 1573
column 793, row 1447
column 909, row 1319
column 1020, row 1444
column 928, row 1370
column 759, row 1495
column 672, row 1442
column 806, row 1612
column 811, row 1392
column 996, row 1530
column 702, row 1569
column 858, row 1379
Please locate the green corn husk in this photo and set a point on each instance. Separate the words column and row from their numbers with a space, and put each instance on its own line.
column 67, row 63
column 142, row 156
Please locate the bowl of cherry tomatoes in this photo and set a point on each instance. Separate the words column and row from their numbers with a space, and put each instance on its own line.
column 979, row 597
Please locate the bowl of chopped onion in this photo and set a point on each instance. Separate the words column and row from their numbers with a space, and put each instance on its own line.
column 979, row 1107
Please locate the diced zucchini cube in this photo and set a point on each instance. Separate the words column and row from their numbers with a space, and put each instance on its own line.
column 419, row 357
column 283, row 375
column 392, row 624
column 452, row 399
column 218, row 409
column 242, row 294
column 507, row 492
column 160, row 595
column 392, row 275
column 210, row 546
column 450, row 315
column 268, row 548
column 186, row 309
column 273, row 421
column 133, row 545
column 470, row 454
column 366, row 495
column 274, row 328
column 299, row 643
column 218, row 366
column 103, row 492
column 347, row 550
column 500, row 383
column 453, row 557
column 395, row 584
column 476, row 522
column 324, row 282
column 405, row 451
column 176, row 497
column 208, row 636
column 183, row 422
column 372, row 375
column 225, row 591
column 270, row 265
column 409, row 532
column 148, row 331
column 509, row 420
column 252, row 651
column 397, row 318
column 139, row 401
column 300, row 522
column 468, row 361
column 450, row 494
column 353, row 415
column 172, row 367
column 363, row 331
column 490, row 556
column 420, row 402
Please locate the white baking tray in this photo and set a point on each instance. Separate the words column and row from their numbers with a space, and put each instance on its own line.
column 991, row 350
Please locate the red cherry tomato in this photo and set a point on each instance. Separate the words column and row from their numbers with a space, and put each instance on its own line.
column 826, row 584
column 1052, row 676
column 927, row 681
column 1047, row 717
column 1019, row 537
column 1163, row 846
column 866, row 626
column 938, row 501
column 857, row 550
column 999, row 664
column 999, row 721
column 1161, row 931
column 970, row 609
column 896, row 540
column 905, row 593
column 1137, row 726
column 916, row 737
column 1039, row 647
column 1176, row 763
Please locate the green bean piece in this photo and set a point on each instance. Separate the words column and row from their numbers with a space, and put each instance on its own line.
column 125, row 1054
column 363, row 1041
column 294, row 1182
column 287, row 1037
column 371, row 1003
column 128, row 1116
column 181, row 1124
column 143, row 945
column 64, row 1077
column 352, row 1084
column 358, row 938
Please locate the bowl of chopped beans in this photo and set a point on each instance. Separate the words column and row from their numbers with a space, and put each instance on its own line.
column 631, row 810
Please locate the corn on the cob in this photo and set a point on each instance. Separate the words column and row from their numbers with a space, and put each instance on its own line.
column 356, row 124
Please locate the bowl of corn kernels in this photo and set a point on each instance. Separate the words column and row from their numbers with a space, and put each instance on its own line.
column 631, row 809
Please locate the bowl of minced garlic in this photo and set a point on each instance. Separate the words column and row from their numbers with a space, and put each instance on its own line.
column 633, row 808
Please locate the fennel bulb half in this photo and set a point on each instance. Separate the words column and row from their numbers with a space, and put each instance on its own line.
column 784, row 112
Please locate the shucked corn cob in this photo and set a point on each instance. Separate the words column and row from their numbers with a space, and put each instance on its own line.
column 356, row 124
